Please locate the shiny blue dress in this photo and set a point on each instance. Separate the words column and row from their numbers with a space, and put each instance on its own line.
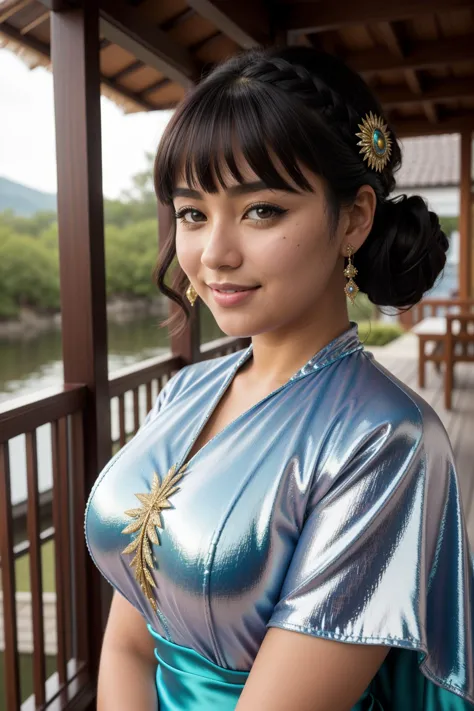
column 330, row 508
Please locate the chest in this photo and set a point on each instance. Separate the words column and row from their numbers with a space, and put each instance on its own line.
column 238, row 399
column 224, row 544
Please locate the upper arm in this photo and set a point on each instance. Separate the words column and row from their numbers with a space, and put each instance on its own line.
column 303, row 673
column 126, row 630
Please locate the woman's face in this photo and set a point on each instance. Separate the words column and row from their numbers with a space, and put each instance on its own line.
column 276, row 245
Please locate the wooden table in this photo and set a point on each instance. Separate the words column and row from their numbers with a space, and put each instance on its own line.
column 452, row 339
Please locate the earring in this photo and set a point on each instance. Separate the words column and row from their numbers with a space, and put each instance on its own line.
column 350, row 272
column 191, row 294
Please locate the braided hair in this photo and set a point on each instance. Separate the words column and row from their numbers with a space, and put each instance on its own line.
column 283, row 108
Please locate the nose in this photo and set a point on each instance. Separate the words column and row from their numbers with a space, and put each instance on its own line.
column 221, row 248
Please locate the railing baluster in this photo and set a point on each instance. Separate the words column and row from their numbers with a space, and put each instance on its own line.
column 65, row 531
column 121, row 408
column 58, row 560
column 36, row 577
column 11, row 669
column 149, row 403
column 79, row 556
column 136, row 414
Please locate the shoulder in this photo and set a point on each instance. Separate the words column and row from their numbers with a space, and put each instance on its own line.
column 379, row 396
column 396, row 401
column 382, row 425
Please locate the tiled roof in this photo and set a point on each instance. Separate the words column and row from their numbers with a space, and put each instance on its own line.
column 430, row 161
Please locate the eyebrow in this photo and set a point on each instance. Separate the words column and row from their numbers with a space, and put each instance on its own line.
column 240, row 189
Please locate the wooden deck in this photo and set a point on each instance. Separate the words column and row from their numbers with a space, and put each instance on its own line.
column 401, row 358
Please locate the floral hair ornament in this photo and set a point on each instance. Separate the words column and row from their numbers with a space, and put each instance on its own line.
column 375, row 141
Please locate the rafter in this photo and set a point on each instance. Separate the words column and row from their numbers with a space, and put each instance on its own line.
column 424, row 55
column 43, row 50
column 55, row 5
column 398, row 47
column 35, row 23
column 431, row 112
column 122, row 25
column 322, row 16
column 178, row 19
column 129, row 69
column 11, row 7
column 445, row 90
column 156, row 85
column 463, row 121
column 234, row 21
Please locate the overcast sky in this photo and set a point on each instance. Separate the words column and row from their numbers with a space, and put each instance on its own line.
column 27, row 143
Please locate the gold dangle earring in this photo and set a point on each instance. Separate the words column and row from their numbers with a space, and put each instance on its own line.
column 191, row 294
column 350, row 272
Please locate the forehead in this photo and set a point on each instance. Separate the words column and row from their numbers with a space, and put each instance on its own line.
column 220, row 169
column 223, row 174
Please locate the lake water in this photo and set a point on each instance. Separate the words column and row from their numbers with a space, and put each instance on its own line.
column 29, row 366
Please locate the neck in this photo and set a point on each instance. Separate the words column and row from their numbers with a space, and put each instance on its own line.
column 279, row 354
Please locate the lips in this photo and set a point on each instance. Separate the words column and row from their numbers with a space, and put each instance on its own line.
column 231, row 288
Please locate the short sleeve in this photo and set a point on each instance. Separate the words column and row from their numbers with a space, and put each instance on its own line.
column 383, row 556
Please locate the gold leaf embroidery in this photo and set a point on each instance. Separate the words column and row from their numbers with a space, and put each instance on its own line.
column 147, row 519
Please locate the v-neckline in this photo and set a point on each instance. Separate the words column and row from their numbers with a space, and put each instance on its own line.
column 343, row 345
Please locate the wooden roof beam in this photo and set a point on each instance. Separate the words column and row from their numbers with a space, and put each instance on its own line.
column 11, row 7
column 121, row 24
column 35, row 23
column 43, row 50
column 56, row 5
column 430, row 111
column 423, row 55
column 464, row 121
column 322, row 16
column 244, row 25
column 444, row 91
column 398, row 48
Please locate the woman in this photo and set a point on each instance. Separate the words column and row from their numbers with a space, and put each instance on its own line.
column 285, row 529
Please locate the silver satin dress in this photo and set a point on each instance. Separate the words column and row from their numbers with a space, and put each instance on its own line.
column 329, row 508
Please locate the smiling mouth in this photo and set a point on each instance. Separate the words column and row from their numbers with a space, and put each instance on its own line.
column 231, row 289
column 236, row 291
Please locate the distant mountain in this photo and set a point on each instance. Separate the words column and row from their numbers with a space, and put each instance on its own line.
column 22, row 200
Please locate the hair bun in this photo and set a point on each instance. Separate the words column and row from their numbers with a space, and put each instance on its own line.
column 403, row 254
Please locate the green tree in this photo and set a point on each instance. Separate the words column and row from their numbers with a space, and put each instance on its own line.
column 33, row 225
column 136, row 204
column 28, row 275
column 131, row 254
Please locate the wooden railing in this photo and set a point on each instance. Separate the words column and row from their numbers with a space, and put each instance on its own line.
column 61, row 410
column 25, row 528
column 434, row 307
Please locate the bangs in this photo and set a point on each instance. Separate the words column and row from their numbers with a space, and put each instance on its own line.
column 217, row 123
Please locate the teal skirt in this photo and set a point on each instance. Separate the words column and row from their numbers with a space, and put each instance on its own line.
column 187, row 681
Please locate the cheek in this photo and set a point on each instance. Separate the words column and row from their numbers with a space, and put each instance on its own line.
column 187, row 253
column 298, row 250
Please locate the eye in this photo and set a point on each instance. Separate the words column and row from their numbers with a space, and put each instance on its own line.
column 190, row 215
column 264, row 212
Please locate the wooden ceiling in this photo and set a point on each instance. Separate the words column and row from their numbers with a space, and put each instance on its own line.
column 418, row 55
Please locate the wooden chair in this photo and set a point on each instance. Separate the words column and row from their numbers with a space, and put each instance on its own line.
column 459, row 348
column 442, row 332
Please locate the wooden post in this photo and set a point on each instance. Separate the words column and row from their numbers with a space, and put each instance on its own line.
column 186, row 344
column 76, row 72
column 465, row 219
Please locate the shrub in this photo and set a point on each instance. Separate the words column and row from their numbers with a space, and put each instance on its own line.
column 362, row 310
column 29, row 275
column 378, row 333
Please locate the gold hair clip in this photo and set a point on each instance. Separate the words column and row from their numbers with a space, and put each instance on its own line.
column 375, row 141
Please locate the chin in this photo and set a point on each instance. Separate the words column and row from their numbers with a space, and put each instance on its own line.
column 241, row 327
column 235, row 331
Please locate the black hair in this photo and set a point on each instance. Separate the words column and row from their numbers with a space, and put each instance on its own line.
column 302, row 107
